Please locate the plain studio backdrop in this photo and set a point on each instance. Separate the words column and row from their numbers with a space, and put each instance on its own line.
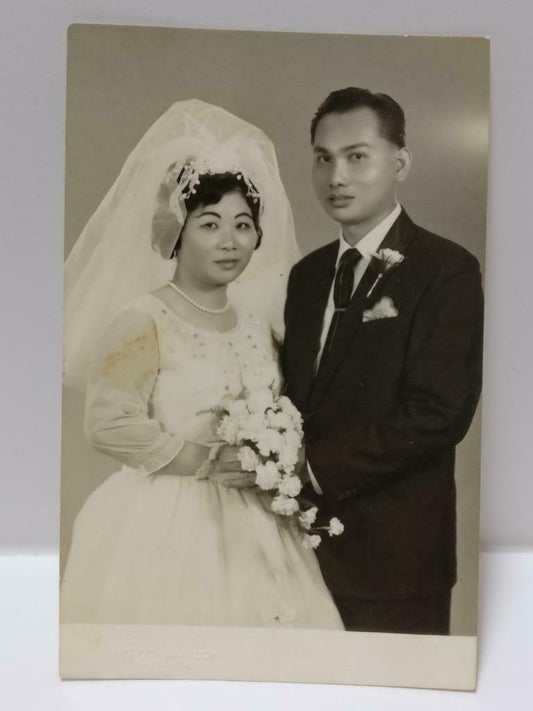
column 121, row 79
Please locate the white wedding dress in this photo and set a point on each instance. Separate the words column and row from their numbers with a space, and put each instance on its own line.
column 167, row 549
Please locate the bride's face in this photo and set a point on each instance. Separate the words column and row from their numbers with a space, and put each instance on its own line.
column 217, row 242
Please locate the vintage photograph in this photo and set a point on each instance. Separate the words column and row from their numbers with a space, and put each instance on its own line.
column 273, row 336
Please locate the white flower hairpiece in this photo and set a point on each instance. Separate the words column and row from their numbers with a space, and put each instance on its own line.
column 222, row 160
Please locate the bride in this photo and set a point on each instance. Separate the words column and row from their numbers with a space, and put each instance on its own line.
column 198, row 212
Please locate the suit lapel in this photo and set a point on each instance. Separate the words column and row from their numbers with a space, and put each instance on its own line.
column 309, row 326
column 365, row 295
column 397, row 238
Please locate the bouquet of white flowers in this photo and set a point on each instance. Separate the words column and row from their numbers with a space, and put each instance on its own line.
column 267, row 429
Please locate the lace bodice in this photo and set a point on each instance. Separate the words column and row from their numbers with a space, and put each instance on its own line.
column 157, row 377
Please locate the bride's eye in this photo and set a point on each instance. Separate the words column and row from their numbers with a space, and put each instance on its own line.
column 209, row 225
column 244, row 226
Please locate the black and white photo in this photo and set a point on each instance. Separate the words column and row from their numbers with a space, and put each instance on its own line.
column 273, row 336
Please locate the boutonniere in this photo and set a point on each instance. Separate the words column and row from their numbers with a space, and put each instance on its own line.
column 388, row 259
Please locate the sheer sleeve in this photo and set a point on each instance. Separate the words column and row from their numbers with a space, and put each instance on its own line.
column 121, row 381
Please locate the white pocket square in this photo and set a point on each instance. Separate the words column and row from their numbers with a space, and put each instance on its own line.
column 384, row 308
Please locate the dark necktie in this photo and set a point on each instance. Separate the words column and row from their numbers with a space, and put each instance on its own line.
column 342, row 293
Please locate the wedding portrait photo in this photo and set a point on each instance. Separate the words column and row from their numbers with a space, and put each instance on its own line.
column 272, row 355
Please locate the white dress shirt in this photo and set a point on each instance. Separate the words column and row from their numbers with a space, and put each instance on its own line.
column 368, row 246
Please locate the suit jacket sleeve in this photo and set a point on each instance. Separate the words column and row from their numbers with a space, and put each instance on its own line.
column 437, row 395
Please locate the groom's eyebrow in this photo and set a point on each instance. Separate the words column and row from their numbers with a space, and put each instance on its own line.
column 353, row 146
column 343, row 149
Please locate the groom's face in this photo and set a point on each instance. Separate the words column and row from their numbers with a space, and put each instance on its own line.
column 355, row 169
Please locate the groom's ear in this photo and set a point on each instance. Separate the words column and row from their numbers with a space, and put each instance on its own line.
column 403, row 163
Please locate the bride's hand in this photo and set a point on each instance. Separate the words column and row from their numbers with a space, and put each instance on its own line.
column 227, row 470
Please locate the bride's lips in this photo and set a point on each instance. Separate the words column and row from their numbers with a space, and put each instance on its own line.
column 227, row 264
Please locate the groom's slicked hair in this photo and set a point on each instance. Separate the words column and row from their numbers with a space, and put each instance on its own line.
column 389, row 113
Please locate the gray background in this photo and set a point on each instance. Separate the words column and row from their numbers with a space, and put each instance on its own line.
column 116, row 90
column 32, row 65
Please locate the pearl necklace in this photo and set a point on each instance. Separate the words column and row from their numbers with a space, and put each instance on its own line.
column 198, row 306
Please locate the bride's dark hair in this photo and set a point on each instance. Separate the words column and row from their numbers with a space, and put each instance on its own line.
column 210, row 190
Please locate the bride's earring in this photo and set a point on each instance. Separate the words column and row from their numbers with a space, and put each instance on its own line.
column 174, row 253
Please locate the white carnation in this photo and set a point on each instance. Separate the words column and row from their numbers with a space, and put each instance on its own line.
column 335, row 527
column 268, row 476
column 390, row 257
column 228, row 430
column 290, row 410
column 248, row 459
column 279, row 420
column 290, row 486
column 252, row 427
column 285, row 506
column 285, row 404
column 307, row 518
column 311, row 541
column 269, row 442
column 293, row 441
column 288, row 458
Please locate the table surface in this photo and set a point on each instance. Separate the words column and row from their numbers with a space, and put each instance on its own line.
column 28, row 656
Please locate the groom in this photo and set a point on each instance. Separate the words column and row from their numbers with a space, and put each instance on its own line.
column 383, row 358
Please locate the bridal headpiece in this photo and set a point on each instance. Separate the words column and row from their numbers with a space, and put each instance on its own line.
column 125, row 248
column 187, row 177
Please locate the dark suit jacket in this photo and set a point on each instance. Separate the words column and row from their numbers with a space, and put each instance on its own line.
column 384, row 412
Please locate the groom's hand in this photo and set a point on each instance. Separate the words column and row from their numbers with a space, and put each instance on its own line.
column 227, row 470
column 301, row 470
